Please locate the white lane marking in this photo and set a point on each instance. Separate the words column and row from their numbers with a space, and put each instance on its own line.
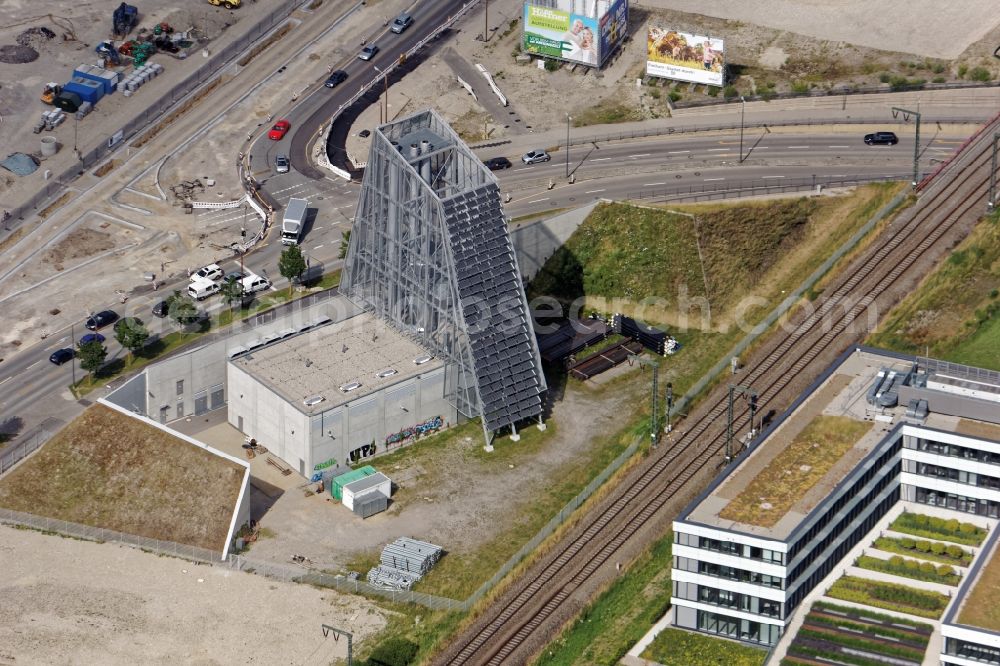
column 717, row 150
column 600, row 159
column 839, row 175
column 318, row 247
column 537, row 200
column 32, row 365
column 7, row 380
column 652, row 184
column 766, row 177
column 838, row 146
column 593, row 191
column 798, row 146
column 677, row 152
column 641, row 155
column 708, row 179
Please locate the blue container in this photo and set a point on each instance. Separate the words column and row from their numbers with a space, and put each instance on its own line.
column 107, row 79
column 87, row 90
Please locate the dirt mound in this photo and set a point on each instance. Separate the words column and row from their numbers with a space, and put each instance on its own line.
column 17, row 54
column 33, row 36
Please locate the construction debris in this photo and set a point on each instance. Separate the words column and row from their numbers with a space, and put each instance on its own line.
column 33, row 36
column 403, row 563
column 186, row 189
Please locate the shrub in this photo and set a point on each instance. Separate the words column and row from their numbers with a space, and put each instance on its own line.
column 712, row 91
column 937, row 547
column 674, row 95
column 994, row 293
column 954, row 552
column 938, row 68
column 908, row 543
column 962, row 70
column 885, row 77
column 920, row 520
column 654, row 93
column 394, row 652
column 927, row 568
column 945, row 570
column 913, row 565
column 800, row 87
column 923, row 546
column 730, row 91
column 980, row 74
column 951, row 525
column 938, row 79
column 551, row 65
column 896, row 560
column 969, row 528
column 935, row 523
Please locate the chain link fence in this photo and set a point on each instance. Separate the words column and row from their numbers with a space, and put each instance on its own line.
column 24, row 448
column 101, row 535
column 150, row 115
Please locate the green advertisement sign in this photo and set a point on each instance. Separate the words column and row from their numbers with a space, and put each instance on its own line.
column 545, row 18
column 558, row 34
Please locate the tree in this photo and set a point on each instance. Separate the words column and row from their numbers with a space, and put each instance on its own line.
column 345, row 242
column 131, row 334
column 232, row 291
column 291, row 265
column 92, row 355
column 181, row 308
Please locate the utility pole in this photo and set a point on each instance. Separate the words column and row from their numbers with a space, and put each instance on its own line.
column 486, row 23
column 670, row 405
column 751, row 395
column 568, row 118
column 743, row 110
column 72, row 344
column 916, row 139
column 337, row 633
column 991, row 204
column 654, row 434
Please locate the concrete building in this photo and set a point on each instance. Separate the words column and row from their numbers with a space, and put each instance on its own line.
column 341, row 391
column 972, row 638
column 769, row 528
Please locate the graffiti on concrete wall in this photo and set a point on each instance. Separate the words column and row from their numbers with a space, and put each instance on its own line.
column 430, row 425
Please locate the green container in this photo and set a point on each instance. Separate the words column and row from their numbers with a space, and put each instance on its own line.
column 337, row 486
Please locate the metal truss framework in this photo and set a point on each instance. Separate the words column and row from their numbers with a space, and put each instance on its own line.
column 430, row 253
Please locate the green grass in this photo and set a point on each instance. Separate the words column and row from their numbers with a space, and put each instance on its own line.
column 612, row 624
column 895, row 545
column 674, row 647
column 910, row 569
column 607, row 111
column 931, row 527
column 862, row 643
column 982, row 605
column 954, row 313
column 424, row 627
column 867, row 628
column 889, row 596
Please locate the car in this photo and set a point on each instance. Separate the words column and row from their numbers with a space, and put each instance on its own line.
column 881, row 138
column 60, row 356
column 364, row 134
column 254, row 283
column 161, row 309
column 210, row 272
column 127, row 321
column 234, row 276
column 281, row 163
column 280, row 129
column 401, row 23
column 101, row 319
column 336, row 78
column 368, row 52
column 535, row 156
column 497, row 163
column 91, row 337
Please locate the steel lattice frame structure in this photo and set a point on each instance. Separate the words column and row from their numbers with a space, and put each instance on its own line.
column 430, row 253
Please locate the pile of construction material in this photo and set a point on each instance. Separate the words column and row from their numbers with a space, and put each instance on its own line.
column 50, row 120
column 139, row 76
column 403, row 563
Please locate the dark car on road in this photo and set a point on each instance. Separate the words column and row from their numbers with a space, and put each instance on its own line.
column 336, row 79
column 881, row 139
column 497, row 163
column 161, row 309
column 60, row 356
column 91, row 337
column 101, row 319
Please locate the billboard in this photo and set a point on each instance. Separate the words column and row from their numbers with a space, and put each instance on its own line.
column 685, row 57
column 613, row 28
column 560, row 34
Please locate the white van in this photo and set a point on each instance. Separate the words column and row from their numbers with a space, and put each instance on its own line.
column 255, row 283
column 201, row 289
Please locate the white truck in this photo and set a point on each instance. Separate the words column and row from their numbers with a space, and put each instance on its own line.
column 294, row 221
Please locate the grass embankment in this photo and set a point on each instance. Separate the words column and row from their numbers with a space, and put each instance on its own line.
column 889, row 596
column 606, row 112
column 795, row 470
column 174, row 340
column 955, row 313
column 619, row 617
column 674, row 647
column 109, row 470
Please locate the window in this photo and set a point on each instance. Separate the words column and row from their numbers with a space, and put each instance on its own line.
column 180, row 387
column 744, row 630
column 973, row 651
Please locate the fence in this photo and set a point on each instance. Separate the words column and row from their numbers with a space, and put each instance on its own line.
column 750, row 188
column 153, row 113
column 102, row 535
column 24, row 448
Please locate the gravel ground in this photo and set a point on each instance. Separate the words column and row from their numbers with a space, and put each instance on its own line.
column 76, row 602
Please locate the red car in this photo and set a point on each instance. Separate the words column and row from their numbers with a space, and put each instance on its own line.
column 279, row 130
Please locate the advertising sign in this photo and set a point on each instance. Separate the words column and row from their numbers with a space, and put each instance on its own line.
column 685, row 57
column 559, row 34
column 614, row 27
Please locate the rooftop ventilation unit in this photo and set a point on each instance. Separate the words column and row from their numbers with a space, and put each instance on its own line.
column 347, row 388
column 420, row 360
column 388, row 372
column 314, row 399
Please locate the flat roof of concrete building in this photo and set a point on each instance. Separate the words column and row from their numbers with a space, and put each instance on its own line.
column 360, row 350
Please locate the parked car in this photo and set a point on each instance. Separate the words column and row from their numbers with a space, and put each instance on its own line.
column 336, row 79
column 210, row 272
column 91, row 337
column 281, row 163
column 60, row 356
column 161, row 309
column 368, row 52
column 277, row 133
column 101, row 319
column 255, row 283
column 132, row 321
column 882, row 139
column 401, row 23
column 201, row 289
column 234, row 276
column 535, row 156
column 497, row 163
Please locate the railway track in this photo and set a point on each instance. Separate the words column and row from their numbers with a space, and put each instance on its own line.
column 521, row 620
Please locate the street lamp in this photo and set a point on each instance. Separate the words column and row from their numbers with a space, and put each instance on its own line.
column 385, row 81
column 743, row 109
column 670, row 405
column 568, row 118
